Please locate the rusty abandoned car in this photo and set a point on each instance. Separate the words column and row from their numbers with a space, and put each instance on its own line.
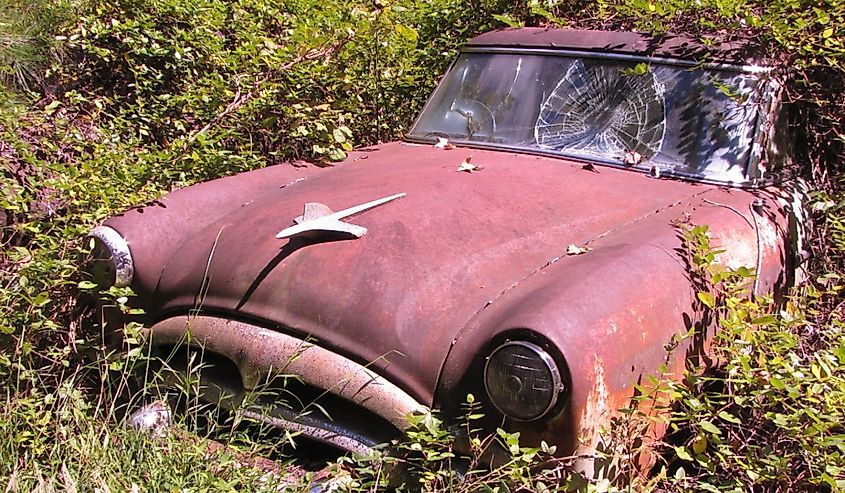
column 521, row 244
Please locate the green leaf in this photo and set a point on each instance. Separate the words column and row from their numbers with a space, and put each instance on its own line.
column 764, row 320
column 709, row 427
column 336, row 154
column 707, row 298
column 406, row 32
column 682, row 453
column 840, row 353
column 41, row 299
column 708, row 487
column 507, row 20
column 86, row 285
column 51, row 108
column 638, row 69
column 730, row 418
column 699, row 444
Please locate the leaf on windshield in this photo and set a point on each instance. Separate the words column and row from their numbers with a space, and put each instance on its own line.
column 574, row 249
column 443, row 144
column 468, row 167
column 638, row 69
column 632, row 158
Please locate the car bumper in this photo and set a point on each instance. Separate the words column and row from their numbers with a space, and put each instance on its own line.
column 260, row 354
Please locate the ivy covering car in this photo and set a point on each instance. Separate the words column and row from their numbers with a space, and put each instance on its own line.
column 522, row 244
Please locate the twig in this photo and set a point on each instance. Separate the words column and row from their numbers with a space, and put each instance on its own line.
column 726, row 206
column 241, row 98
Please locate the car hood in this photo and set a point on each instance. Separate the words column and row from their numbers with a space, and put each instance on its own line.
column 397, row 296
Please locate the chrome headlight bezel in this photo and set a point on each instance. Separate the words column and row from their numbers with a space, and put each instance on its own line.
column 515, row 402
column 116, row 251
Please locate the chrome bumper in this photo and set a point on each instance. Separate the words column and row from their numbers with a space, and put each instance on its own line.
column 260, row 354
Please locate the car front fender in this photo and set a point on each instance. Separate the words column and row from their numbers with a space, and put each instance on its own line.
column 617, row 314
column 151, row 231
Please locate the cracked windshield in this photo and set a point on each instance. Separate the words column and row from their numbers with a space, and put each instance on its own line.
column 689, row 121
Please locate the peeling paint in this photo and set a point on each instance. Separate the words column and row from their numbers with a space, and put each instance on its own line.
column 768, row 233
column 597, row 409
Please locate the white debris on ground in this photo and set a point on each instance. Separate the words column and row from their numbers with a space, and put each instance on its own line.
column 329, row 480
column 156, row 419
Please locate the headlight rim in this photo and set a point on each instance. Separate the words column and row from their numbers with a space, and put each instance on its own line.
column 121, row 257
column 557, row 371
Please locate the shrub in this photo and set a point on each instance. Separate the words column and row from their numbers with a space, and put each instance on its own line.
column 144, row 96
column 766, row 417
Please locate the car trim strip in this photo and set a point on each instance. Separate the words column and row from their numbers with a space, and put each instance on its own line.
column 750, row 69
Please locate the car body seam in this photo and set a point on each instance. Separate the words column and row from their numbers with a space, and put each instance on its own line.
column 554, row 260
column 645, row 216
column 587, row 243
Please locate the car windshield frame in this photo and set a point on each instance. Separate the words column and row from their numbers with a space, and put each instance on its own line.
column 745, row 93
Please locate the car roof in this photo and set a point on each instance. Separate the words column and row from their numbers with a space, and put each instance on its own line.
column 622, row 42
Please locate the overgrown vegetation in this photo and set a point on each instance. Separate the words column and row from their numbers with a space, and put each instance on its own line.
column 768, row 415
column 110, row 103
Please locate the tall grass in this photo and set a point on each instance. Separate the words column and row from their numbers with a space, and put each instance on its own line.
column 69, row 439
column 51, row 442
column 27, row 31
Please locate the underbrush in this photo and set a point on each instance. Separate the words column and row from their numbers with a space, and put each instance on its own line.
column 25, row 41
column 150, row 429
column 766, row 413
column 104, row 105
column 56, row 442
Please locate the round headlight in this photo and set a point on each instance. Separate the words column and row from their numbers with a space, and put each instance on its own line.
column 112, row 263
column 522, row 380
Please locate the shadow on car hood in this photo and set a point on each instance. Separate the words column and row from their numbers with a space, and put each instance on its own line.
column 431, row 259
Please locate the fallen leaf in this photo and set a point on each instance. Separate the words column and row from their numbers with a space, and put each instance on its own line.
column 574, row 249
column 443, row 144
column 467, row 166
column 51, row 108
column 589, row 167
column 655, row 172
column 632, row 157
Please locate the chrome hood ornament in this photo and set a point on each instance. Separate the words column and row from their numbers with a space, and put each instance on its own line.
column 320, row 219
